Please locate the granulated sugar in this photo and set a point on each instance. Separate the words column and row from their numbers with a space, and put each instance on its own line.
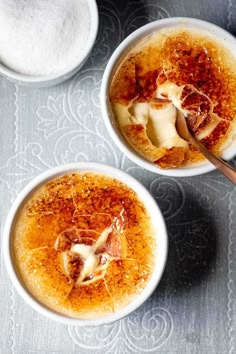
column 42, row 37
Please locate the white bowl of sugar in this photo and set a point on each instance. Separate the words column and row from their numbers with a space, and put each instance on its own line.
column 45, row 43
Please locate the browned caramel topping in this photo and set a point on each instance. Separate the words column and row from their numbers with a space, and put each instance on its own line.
column 146, row 83
column 198, row 105
column 217, row 134
column 158, row 103
column 82, row 243
column 195, row 63
column 203, row 64
column 174, row 157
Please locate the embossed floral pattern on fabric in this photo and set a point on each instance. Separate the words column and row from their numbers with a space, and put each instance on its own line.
column 135, row 333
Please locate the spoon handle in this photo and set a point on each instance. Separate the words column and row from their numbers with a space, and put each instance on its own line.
column 226, row 169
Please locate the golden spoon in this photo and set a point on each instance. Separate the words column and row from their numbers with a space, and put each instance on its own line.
column 184, row 133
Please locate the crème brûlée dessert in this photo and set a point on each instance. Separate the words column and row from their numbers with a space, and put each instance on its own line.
column 84, row 245
column 173, row 71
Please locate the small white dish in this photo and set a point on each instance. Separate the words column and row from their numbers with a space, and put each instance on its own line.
column 54, row 79
column 145, row 197
column 222, row 35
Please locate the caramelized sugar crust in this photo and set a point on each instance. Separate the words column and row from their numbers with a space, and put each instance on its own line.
column 74, row 211
column 203, row 63
column 201, row 66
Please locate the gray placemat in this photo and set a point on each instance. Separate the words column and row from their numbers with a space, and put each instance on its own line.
column 194, row 308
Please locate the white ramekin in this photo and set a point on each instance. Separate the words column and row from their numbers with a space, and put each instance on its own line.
column 222, row 35
column 54, row 79
column 145, row 197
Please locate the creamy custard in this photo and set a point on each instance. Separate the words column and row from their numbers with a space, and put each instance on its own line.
column 84, row 245
column 176, row 70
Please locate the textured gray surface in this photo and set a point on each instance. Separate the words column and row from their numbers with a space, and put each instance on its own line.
column 194, row 308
